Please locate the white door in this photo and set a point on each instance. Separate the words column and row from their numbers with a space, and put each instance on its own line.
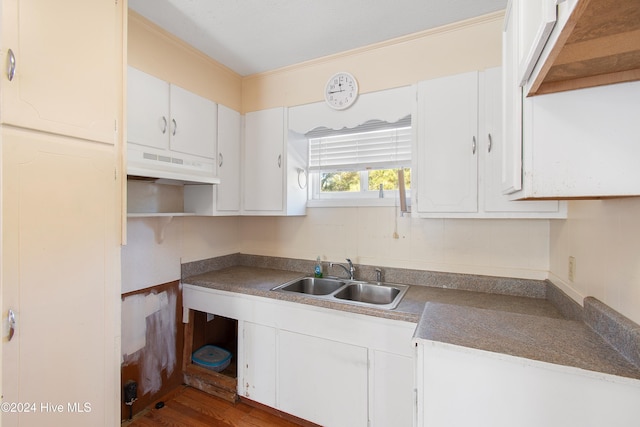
column 322, row 381
column 147, row 110
column 229, row 129
column 491, row 146
column 67, row 58
column 60, row 278
column 448, row 144
column 264, row 160
column 511, row 102
column 258, row 371
column 193, row 124
column 392, row 390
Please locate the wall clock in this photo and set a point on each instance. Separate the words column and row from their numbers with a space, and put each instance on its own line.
column 341, row 91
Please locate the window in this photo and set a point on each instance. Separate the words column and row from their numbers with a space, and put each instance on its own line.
column 360, row 163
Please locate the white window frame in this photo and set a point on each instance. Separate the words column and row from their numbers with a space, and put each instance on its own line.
column 364, row 197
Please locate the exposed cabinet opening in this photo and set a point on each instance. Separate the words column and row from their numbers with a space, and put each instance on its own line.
column 208, row 329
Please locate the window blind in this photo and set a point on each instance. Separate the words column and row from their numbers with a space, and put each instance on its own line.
column 374, row 145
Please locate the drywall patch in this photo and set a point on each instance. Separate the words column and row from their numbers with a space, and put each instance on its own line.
column 149, row 333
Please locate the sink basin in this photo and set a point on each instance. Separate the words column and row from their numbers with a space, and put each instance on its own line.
column 312, row 286
column 369, row 293
column 379, row 295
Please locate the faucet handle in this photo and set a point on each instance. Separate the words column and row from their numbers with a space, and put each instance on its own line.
column 378, row 275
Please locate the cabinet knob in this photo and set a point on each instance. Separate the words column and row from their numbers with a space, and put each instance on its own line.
column 175, row 127
column 221, row 160
column 11, row 65
column 280, row 161
column 473, row 145
column 490, row 144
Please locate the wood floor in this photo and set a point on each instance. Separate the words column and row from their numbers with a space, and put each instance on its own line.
column 190, row 407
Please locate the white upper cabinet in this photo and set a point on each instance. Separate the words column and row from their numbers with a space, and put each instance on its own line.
column 536, row 19
column 171, row 132
column 274, row 166
column 460, row 151
column 264, row 160
column 577, row 143
column 77, row 95
column 582, row 143
column 224, row 198
column 494, row 202
column 593, row 43
column 193, row 126
column 448, row 144
column 147, row 110
column 229, row 139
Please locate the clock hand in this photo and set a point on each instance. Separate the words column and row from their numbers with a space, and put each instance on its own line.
column 336, row 91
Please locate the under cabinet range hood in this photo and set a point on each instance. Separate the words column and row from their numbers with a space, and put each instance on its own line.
column 164, row 166
column 171, row 132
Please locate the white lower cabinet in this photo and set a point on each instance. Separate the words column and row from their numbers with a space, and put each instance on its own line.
column 460, row 386
column 391, row 395
column 258, row 375
column 322, row 381
column 326, row 366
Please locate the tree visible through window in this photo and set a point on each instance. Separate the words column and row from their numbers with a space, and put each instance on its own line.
column 350, row 181
column 360, row 162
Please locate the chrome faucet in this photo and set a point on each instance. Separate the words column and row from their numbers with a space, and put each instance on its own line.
column 378, row 275
column 350, row 271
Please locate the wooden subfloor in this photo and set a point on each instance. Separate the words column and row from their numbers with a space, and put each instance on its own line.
column 190, row 407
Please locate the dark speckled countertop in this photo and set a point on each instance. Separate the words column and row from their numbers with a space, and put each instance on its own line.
column 259, row 281
column 520, row 326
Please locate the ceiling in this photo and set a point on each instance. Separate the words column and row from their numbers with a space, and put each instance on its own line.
column 253, row 36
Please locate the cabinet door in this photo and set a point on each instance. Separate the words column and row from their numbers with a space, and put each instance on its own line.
column 258, row 371
column 59, row 263
column 193, row 123
column 491, row 146
column 511, row 104
column 229, row 127
column 392, row 390
column 147, row 110
column 322, row 381
column 264, row 160
column 67, row 55
column 448, row 144
column 535, row 21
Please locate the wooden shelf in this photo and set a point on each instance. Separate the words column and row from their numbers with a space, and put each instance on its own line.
column 599, row 45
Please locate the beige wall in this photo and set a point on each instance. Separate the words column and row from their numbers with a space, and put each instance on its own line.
column 604, row 238
column 517, row 248
column 511, row 248
column 464, row 46
column 158, row 53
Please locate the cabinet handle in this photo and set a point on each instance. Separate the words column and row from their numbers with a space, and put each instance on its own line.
column 490, row 144
column 473, row 146
column 11, row 317
column 221, row 160
column 11, row 65
column 175, row 127
column 164, row 125
column 280, row 161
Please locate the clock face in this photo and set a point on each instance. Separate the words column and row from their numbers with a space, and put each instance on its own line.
column 341, row 91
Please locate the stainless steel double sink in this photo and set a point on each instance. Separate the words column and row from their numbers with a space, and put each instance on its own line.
column 379, row 295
